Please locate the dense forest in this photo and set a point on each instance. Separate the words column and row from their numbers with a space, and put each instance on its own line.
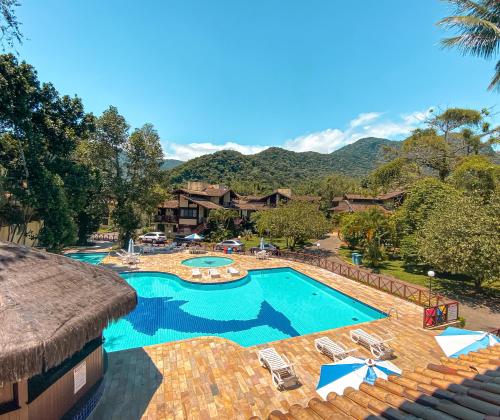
column 276, row 167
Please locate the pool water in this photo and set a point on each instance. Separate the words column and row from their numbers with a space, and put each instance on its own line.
column 266, row 305
column 207, row 262
column 93, row 258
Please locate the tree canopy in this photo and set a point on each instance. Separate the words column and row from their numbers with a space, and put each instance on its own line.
column 296, row 221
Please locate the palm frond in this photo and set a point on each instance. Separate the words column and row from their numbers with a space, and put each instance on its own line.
column 470, row 22
column 462, row 6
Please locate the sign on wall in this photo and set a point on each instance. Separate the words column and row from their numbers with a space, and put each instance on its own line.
column 80, row 376
column 452, row 312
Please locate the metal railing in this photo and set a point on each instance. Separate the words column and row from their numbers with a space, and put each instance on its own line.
column 110, row 237
column 437, row 315
column 165, row 218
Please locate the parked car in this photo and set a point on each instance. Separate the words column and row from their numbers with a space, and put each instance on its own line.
column 267, row 247
column 153, row 238
column 234, row 244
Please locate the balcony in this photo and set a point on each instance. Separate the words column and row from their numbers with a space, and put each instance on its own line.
column 162, row 218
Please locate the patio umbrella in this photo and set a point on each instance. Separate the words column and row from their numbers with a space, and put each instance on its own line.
column 261, row 246
column 352, row 372
column 131, row 246
column 455, row 341
column 194, row 237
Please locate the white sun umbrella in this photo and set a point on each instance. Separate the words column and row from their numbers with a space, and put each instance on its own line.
column 352, row 372
column 261, row 246
column 455, row 341
column 131, row 246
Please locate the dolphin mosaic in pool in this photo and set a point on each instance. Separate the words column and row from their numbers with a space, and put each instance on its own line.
column 151, row 314
column 267, row 305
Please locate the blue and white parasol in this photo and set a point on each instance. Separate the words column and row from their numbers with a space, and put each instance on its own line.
column 261, row 246
column 194, row 237
column 352, row 372
column 455, row 341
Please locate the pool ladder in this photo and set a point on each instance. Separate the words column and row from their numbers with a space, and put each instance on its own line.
column 391, row 310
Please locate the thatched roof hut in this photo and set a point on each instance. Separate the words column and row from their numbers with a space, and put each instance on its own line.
column 50, row 307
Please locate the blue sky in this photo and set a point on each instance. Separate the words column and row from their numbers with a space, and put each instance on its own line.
column 305, row 75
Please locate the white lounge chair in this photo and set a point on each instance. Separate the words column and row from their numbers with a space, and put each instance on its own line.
column 182, row 247
column 233, row 271
column 123, row 255
column 148, row 250
column 213, row 272
column 378, row 347
column 332, row 349
column 196, row 272
column 262, row 255
column 281, row 369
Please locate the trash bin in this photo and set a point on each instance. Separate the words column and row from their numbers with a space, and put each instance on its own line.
column 225, row 250
column 354, row 256
column 230, row 250
column 359, row 259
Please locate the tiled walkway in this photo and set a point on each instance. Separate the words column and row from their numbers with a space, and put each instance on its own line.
column 213, row 378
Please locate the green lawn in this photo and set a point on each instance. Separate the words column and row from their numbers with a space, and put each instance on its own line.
column 444, row 283
column 254, row 241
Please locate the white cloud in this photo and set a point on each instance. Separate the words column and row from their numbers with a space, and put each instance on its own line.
column 364, row 125
column 364, row 118
column 368, row 124
column 192, row 150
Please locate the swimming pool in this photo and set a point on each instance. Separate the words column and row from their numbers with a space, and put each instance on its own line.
column 93, row 258
column 266, row 305
column 207, row 262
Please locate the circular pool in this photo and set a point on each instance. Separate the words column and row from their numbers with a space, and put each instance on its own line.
column 207, row 262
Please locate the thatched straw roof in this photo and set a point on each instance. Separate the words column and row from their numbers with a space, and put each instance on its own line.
column 51, row 306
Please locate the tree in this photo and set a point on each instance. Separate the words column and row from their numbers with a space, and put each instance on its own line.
column 369, row 230
column 463, row 236
column 478, row 27
column 477, row 176
column 39, row 134
column 10, row 31
column 429, row 151
column 421, row 199
column 450, row 135
column 221, row 224
column 296, row 221
column 396, row 174
column 130, row 167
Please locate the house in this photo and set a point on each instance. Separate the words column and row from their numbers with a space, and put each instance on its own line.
column 52, row 314
column 350, row 203
column 187, row 212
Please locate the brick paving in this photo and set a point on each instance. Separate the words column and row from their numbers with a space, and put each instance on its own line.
column 214, row 378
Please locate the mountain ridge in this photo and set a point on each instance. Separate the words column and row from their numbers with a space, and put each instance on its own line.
column 276, row 166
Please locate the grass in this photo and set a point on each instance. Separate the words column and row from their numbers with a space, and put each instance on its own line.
column 444, row 282
column 254, row 241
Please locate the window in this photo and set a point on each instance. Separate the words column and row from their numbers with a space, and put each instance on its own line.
column 189, row 213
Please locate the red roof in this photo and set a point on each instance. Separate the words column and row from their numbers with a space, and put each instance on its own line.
column 389, row 195
column 169, row 204
column 204, row 203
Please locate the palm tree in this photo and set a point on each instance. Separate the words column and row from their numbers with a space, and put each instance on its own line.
column 478, row 26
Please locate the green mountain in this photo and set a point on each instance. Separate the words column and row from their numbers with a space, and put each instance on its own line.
column 171, row 163
column 277, row 167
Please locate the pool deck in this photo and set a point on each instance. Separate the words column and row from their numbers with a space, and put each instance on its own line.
column 214, row 378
